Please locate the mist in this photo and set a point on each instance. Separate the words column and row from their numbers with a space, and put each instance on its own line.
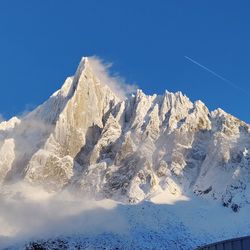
column 29, row 212
column 116, row 82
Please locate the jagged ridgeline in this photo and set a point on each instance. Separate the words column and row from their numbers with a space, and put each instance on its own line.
column 90, row 139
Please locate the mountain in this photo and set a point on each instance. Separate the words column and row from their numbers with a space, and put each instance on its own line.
column 92, row 140
column 87, row 138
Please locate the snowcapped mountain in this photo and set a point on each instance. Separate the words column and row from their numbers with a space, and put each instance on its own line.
column 92, row 140
column 89, row 139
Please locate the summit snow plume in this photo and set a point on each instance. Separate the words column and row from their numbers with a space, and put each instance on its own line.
column 116, row 82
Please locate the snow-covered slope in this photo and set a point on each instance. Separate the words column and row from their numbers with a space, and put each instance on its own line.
column 90, row 140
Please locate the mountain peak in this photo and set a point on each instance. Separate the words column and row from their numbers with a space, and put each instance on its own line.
column 84, row 63
column 90, row 138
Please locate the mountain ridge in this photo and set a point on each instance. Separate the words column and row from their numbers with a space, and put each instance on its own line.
column 92, row 140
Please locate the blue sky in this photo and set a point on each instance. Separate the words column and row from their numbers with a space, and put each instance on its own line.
column 42, row 41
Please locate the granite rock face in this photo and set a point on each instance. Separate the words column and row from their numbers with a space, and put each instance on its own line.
column 87, row 138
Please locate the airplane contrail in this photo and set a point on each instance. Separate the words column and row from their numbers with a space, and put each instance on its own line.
column 215, row 74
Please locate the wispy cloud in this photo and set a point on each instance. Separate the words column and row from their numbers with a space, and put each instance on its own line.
column 30, row 212
column 117, row 83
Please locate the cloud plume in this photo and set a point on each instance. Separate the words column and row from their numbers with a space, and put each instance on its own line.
column 29, row 212
column 114, row 81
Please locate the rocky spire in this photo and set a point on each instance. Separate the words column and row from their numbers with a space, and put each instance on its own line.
column 85, row 137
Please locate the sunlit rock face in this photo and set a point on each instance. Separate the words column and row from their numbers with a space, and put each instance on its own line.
column 87, row 138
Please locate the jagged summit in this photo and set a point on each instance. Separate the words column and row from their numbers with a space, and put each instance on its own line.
column 87, row 138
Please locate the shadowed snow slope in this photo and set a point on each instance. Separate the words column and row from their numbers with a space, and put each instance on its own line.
column 93, row 139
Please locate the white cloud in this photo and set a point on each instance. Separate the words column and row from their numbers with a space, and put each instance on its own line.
column 114, row 81
column 29, row 212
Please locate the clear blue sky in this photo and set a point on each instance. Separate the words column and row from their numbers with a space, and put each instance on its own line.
column 42, row 41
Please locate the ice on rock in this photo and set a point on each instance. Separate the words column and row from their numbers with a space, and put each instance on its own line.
column 8, row 125
column 127, row 149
